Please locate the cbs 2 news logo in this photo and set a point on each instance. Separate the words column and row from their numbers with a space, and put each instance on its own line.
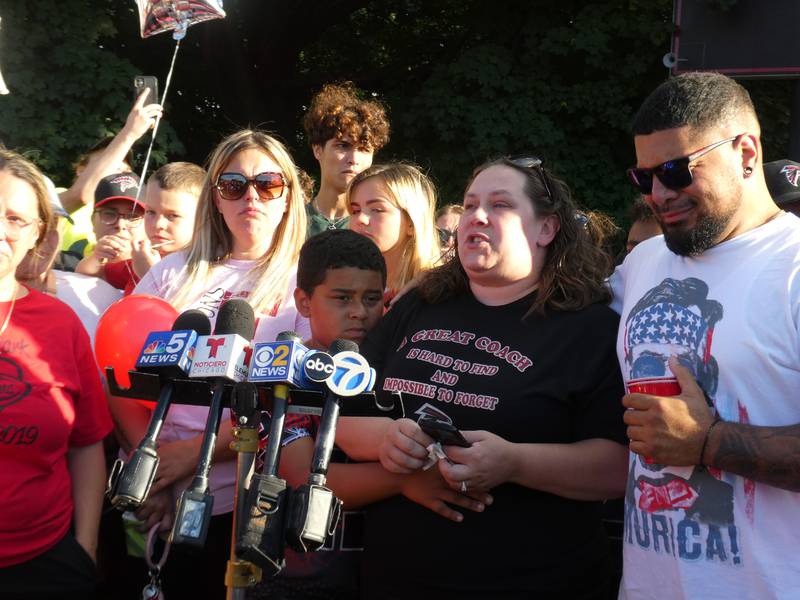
column 285, row 359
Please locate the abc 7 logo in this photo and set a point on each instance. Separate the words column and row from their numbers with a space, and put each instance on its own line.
column 353, row 375
column 263, row 356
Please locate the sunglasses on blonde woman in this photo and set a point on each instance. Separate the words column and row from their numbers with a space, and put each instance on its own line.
column 268, row 186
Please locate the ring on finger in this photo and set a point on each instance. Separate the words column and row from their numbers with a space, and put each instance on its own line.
column 464, row 487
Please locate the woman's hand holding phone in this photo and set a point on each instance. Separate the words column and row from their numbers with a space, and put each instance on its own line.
column 488, row 462
column 405, row 447
column 443, row 432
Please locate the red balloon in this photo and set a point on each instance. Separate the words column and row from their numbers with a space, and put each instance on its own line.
column 123, row 329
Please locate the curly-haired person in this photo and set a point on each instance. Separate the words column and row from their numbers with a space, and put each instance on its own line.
column 344, row 132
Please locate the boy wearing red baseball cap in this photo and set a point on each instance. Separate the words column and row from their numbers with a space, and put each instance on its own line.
column 117, row 222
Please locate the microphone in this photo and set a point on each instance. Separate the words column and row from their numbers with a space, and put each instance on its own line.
column 287, row 361
column 168, row 354
column 352, row 376
column 261, row 541
column 315, row 510
column 223, row 357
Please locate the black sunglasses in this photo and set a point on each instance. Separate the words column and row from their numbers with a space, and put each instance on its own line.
column 445, row 235
column 535, row 163
column 232, row 186
column 674, row 174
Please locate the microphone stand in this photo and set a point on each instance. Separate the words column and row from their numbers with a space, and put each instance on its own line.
column 241, row 574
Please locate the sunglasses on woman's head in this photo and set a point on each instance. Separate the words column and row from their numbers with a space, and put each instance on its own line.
column 673, row 174
column 268, row 186
column 534, row 163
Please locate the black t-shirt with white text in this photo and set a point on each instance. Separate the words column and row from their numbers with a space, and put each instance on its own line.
column 551, row 379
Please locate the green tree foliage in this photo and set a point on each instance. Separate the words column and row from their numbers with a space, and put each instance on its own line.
column 68, row 90
column 470, row 80
column 464, row 80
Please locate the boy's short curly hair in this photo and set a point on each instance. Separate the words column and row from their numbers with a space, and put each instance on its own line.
column 336, row 249
column 337, row 112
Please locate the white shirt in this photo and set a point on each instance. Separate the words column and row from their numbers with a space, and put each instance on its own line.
column 732, row 314
column 88, row 296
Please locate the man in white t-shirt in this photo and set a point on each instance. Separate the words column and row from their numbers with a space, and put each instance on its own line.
column 712, row 500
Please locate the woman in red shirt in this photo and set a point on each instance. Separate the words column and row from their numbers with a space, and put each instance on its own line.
column 53, row 414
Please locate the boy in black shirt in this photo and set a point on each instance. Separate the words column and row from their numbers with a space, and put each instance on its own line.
column 340, row 280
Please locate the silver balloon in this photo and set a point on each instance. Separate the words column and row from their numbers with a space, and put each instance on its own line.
column 158, row 16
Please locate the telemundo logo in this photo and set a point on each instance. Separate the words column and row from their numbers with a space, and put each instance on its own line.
column 352, row 375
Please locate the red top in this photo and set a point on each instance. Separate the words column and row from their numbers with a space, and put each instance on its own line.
column 51, row 399
column 121, row 275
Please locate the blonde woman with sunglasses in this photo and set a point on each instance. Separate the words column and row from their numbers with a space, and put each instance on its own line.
column 249, row 227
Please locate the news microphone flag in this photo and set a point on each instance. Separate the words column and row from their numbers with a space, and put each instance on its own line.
column 289, row 362
column 278, row 362
column 168, row 349
column 261, row 536
column 314, row 509
column 352, row 375
column 224, row 356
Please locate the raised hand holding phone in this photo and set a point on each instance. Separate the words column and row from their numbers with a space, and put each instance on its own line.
column 148, row 83
column 146, row 109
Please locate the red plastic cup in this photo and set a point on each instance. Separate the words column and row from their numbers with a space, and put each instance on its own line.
column 655, row 386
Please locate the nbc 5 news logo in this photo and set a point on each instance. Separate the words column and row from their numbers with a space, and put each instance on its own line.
column 352, row 375
column 167, row 348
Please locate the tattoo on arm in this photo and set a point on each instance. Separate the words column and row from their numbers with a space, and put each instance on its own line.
column 768, row 455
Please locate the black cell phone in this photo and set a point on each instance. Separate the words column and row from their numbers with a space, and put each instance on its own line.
column 142, row 82
column 443, row 432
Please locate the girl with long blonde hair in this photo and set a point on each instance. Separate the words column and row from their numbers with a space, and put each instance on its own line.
column 393, row 205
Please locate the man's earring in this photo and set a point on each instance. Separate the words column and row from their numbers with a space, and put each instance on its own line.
column 748, row 171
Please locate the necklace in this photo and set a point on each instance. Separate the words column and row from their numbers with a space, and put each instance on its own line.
column 10, row 309
column 332, row 223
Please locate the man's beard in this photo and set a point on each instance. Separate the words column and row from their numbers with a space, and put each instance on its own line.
column 707, row 232
column 691, row 242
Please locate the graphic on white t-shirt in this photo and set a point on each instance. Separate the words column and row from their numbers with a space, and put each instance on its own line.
column 683, row 511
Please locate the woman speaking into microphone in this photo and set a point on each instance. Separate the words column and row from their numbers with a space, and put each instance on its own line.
column 249, row 227
column 510, row 342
